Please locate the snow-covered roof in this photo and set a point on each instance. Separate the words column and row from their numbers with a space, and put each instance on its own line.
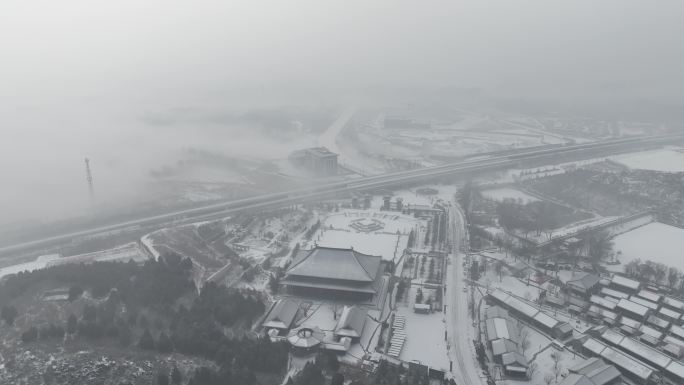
column 501, row 328
column 599, row 311
column 502, row 346
column 674, row 340
column 630, row 322
column 612, row 336
column 643, row 302
column 496, row 311
column 522, row 306
column 546, row 320
column 659, row 322
column 674, row 303
column 351, row 322
column 578, row 302
column 650, row 331
column 614, row 293
column 584, row 283
column 676, row 369
column 604, row 302
column 669, row 313
column 594, row 346
column 595, row 372
column 645, row 352
column 649, row 339
column 305, row 337
column 338, row 264
column 499, row 295
column 514, row 358
column 649, row 295
column 282, row 314
column 677, row 331
column 564, row 327
column 674, row 349
column 576, row 379
column 625, row 282
column 627, row 363
column 633, row 307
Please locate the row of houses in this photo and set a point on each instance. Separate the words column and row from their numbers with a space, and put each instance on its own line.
column 592, row 371
column 532, row 314
column 653, row 318
column 672, row 369
column 503, row 338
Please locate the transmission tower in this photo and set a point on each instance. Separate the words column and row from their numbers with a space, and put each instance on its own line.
column 89, row 178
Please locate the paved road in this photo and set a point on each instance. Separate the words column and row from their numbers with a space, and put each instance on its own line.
column 267, row 201
column 460, row 330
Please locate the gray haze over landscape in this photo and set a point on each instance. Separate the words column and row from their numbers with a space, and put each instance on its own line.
column 80, row 78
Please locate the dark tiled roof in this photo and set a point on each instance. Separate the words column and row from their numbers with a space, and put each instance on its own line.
column 334, row 263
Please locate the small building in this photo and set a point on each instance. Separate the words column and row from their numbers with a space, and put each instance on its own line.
column 305, row 341
column 563, row 330
column 584, row 286
column 634, row 310
column 351, row 323
column 515, row 364
column 318, row 160
column 624, row 284
column 422, row 308
column 592, row 371
column 650, row 296
column 282, row 315
column 673, row 304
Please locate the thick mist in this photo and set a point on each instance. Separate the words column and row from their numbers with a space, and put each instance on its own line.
column 81, row 78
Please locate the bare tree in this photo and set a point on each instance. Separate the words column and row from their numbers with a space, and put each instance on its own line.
column 548, row 379
column 498, row 268
column 557, row 371
column 556, row 356
column 524, row 340
column 532, row 369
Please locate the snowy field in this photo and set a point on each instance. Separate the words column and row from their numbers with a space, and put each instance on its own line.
column 666, row 160
column 656, row 241
column 122, row 254
column 40, row 263
column 500, row 194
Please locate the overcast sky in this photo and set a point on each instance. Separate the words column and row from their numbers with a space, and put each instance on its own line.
column 144, row 48
column 76, row 75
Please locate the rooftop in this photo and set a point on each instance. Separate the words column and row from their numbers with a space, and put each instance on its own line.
column 337, row 264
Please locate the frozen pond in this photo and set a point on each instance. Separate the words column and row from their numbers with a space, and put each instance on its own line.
column 499, row 194
column 656, row 241
column 667, row 160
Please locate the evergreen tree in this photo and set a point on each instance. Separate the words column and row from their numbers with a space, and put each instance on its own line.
column 8, row 314
column 72, row 324
column 162, row 378
column 176, row 376
column 146, row 341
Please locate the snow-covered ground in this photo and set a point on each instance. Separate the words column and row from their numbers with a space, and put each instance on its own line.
column 129, row 251
column 667, row 160
column 424, row 339
column 500, row 194
column 570, row 229
column 40, row 263
column 656, row 241
column 122, row 253
column 387, row 241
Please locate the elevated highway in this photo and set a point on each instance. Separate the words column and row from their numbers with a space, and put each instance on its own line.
column 281, row 199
